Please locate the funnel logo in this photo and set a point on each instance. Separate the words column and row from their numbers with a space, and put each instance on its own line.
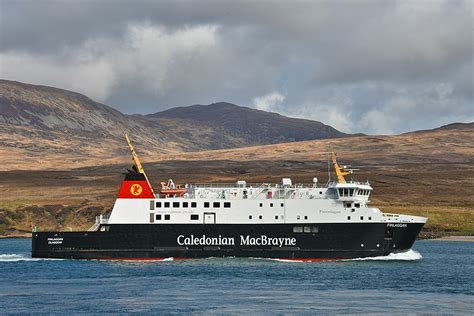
column 136, row 189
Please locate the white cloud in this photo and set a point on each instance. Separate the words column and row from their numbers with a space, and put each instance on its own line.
column 146, row 55
column 268, row 101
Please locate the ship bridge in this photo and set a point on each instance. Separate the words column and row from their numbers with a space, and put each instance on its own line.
column 351, row 191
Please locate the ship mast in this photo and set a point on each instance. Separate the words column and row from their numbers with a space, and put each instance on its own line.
column 137, row 161
column 341, row 172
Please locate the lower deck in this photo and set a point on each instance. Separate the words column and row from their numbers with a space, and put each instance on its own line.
column 145, row 241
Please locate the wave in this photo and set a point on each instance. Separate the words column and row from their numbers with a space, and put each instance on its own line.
column 410, row 255
column 13, row 257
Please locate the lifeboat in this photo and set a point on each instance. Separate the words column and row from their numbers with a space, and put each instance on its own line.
column 170, row 189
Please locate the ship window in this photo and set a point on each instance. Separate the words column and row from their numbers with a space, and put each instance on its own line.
column 348, row 217
column 158, row 217
column 206, row 204
column 282, row 204
column 261, row 204
column 341, row 192
column 167, row 217
column 167, row 204
column 320, row 192
column 193, row 204
column 185, row 204
column 307, row 229
column 227, row 204
column 194, row 217
column 351, row 192
column 216, row 204
column 315, row 229
column 362, row 218
column 158, row 204
column 297, row 217
column 297, row 229
column 370, row 218
column 346, row 191
column 271, row 204
column 347, row 204
column 260, row 217
column 357, row 205
column 250, row 216
column 152, row 205
column 306, row 217
column 276, row 216
column 175, row 204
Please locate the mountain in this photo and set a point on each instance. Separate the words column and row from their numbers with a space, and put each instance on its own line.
column 248, row 126
column 68, row 128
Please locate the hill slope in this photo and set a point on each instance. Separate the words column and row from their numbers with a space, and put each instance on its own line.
column 252, row 127
column 45, row 127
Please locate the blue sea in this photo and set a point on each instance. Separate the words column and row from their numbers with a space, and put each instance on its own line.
column 433, row 277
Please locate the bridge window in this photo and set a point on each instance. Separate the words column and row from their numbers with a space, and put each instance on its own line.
column 351, row 192
column 185, row 204
column 227, row 204
column 158, row 217
column 206, row 204
column 167, row 217
column 193, row 204
column 194, row 217
column 175, row 204
column 167, row 204
column 216, row 204
column 158, row 204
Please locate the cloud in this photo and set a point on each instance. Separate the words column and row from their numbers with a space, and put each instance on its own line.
column 362, row 66
column 268, row 101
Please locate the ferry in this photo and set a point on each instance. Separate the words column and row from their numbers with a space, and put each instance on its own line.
column 267, row 220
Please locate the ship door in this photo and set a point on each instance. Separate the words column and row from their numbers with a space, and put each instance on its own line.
column 209, row 218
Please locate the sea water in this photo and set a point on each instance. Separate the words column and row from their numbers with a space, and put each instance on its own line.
column 433, row 277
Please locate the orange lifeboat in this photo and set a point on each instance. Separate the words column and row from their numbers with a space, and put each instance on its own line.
column 170, row 189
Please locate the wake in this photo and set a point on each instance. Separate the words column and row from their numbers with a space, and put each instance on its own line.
column 410, row 255
column 20, row 257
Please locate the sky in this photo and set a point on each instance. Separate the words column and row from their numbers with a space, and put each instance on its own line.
column 375, row 67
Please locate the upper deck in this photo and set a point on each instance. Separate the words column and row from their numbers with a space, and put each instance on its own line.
column 285, row 190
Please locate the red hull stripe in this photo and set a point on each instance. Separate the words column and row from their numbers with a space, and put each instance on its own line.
column 142, row 259
column 175, row 259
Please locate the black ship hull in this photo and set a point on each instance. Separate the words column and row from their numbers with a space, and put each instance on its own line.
column 315, row 241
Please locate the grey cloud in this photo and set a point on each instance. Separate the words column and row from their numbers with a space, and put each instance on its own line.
column 362, row 66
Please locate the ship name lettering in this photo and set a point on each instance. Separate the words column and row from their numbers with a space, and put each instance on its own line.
column 396, row 225
column 263, row 240
column 205, row 241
